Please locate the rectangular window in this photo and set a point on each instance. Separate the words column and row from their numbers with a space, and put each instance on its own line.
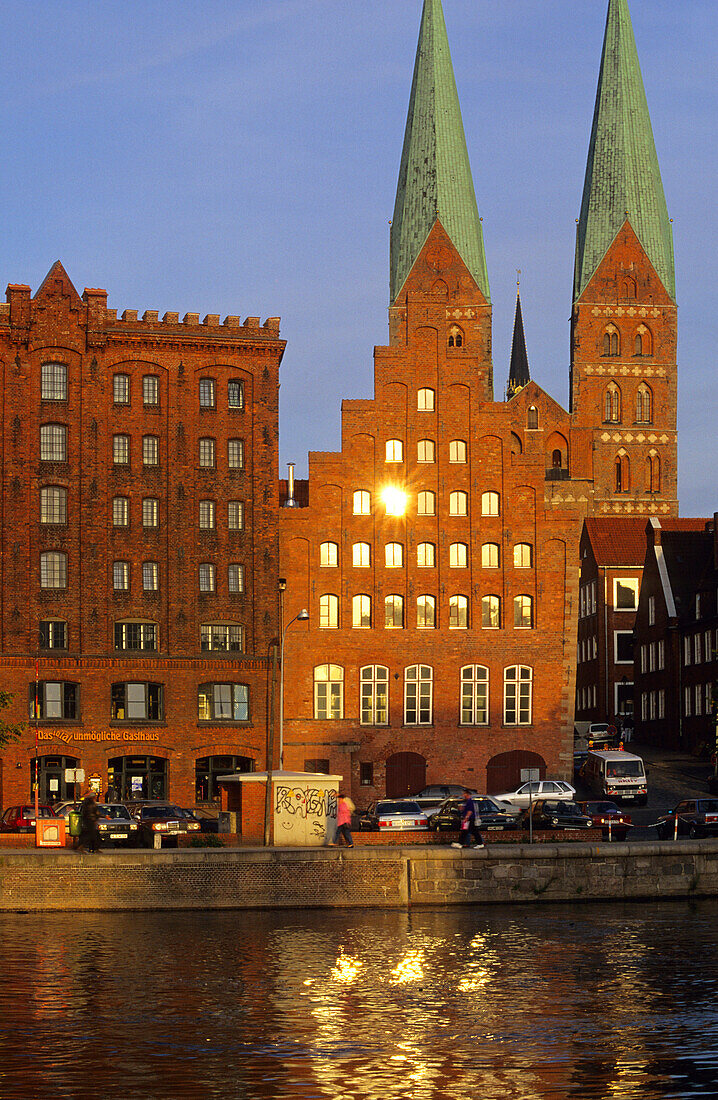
column 137, row 701
column 120, row 512
column 697, row 649
column 53, row 443
column 150, row 390
column 235, row 454
column 235, row 576
column 53, row 570
column 221, row 638
column 661, row 703
column 150, row 450
column 660, row 655
column 206, row 393
column 207, row 511
column 224, row 703
column 150, row 512
column 55, row 700
column 207, row 577
column 374, row 688
column 686, row 651
column 53, row 634
column 235, row 394
column 121, row 576
column 651, row 610
column 150, row 576
column 53, row 384
column 136, row 636
column 121, row 389
column 235, row 515
column 625, row 594
column 206, row 454
column 366, row 774
column 120, row 450
column 53, row 505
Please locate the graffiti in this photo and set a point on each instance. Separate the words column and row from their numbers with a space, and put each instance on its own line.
column 302, row 812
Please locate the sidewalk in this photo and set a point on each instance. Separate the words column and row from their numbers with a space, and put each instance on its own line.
column 682, row 765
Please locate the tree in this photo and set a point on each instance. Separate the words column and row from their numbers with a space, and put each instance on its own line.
column 9, row 731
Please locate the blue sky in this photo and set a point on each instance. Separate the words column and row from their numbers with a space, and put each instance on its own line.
column 241, row 156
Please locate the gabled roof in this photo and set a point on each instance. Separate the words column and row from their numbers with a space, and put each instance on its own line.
column 623, row 178
column 435, row 175
column 621, row 540
column 57, row 281
column 688, row 557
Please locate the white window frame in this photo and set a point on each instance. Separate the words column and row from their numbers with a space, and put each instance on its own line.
column 373, row 702
column 518, row 695
column 361, row 555
column 418, row 695
column 491, row 503
column 630, row 584
column 328, row 555
column 474, row 704
column 328, row 692
column 362, row 502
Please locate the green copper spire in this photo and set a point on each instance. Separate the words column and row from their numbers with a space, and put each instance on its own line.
column 622, row 176
column 435, row 175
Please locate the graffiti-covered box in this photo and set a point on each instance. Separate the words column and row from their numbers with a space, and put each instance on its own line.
column 303, row 808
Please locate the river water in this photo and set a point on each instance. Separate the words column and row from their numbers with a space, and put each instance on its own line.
column 597, row 1001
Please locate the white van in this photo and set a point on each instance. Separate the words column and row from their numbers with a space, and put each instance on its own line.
column 617, row 775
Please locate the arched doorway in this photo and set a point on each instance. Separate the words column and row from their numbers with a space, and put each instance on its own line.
column 51, row 772
column 405, row 774
column 137, row 777
column 503, row 772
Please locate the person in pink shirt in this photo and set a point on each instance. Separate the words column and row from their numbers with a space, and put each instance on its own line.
column 345, row 807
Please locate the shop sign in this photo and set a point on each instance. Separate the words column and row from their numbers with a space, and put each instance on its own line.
column 69, row 737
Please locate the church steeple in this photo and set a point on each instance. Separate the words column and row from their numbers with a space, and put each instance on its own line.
column 519, row 374
column 623, row 179
column 435, row 175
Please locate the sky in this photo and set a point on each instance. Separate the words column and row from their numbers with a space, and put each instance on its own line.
column 241, row 157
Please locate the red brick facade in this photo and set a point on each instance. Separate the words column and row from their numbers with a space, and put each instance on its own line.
column 117, row 434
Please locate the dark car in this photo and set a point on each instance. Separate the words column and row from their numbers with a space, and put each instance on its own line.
column 431, row 797
column 116, row 825
column 696, row 817
column 607, row 815
column 208, row 821
column 448, row 815
column 161, row 820
column 21, row 819
column 550, row 813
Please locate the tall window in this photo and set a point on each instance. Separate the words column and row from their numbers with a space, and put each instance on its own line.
column 426, row 555
column 121, row 389
column 150, row 450
column 207, row 515
column 394, row 450
column 425, row 400
column 53, row 443
column 120, row 512
column 393, row 555
column 425, row 450
column 207, row 577
column 490, row 504
column 150, row 576
column 235, row 578
column 120, row 450
column 523, row 611
column 361, row 555
column 474, row 695
column 121, row 576
column 150, row 512
column 235, row 393
column 150, row 390
column 418, row 692
column 426, row 503
column 362, row 502
column 532, row 418
column 457, row 450
column 523, row 555
column 518, row 683
column 328, row 692
column 361, row 612
column 653, row 473
column 207, row 394
column 393, row 612
column 642, row 345
column 458, row 555
column 136, row 635
column 235, row 454
column 53, row 634
column 328, row 612
column 426, row 612
column 329, row 554
column 374, row 688
column 458, row 503
column 490, row 555
column 223, row 703
column 490, row 612
column 458, row 613
column 644, row 404
column 53, row 504
column 611, row 343
column 612, row 404
column 221, row 638
column 53, row 569
column 622, row 472
column 235, row 515
column 53, row 382
column 456, row 337
column 206, row 453
column 132, row 701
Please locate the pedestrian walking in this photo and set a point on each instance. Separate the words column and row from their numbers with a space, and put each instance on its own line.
column 470, row 835
column 345, row 809
column 89, row 828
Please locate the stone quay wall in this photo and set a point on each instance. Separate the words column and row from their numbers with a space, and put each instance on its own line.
column 37, row 880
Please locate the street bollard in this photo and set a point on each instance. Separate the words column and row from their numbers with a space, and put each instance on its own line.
column 675, row 827
column 610, row 834
column 157, row 839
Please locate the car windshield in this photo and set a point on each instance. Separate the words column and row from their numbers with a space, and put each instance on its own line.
column 708, row 806
column 569, row 808
column 114, row 813
column 398, row 808
column 602, row 808
column 150, row 812
column 624, row 769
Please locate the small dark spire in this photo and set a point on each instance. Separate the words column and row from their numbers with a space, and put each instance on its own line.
column 519, row 373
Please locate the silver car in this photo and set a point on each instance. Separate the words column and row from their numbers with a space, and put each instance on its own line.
column 392, row 815
column 555, row 789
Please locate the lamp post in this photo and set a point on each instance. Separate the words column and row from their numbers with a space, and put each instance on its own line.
column 301, row 617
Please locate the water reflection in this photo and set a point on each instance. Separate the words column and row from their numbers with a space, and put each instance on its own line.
column 536, row 1002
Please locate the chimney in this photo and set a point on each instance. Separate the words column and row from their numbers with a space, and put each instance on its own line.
column 290, row 502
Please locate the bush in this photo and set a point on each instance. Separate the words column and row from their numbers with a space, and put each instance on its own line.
column 209, row 840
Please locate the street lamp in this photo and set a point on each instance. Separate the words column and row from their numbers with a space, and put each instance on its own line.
column 301, row 617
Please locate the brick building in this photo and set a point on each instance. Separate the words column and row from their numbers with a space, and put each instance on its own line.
column 437, row 552
column 139, row 542
column 676, row 636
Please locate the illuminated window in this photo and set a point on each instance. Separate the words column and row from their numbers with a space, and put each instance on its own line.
column 150, row 390
column 150, row 450
column 121, row 389
column 206, row 453
column 490, row 612
column 53, row 504
column 523, row 611
column 235, row 454
column 53, row 443
column 328, row 692
column 362, row 502
column 458, row 503
column 329, row 554
column 374, row 688
column 426, row 612
column 458, row 555
column 458, row 613
column 361, row 555
column 426, row 503
column 394, row 450
column 53, row 569
column 418, row 692
column 120, row 450
column 393, row 612
column 394, row 555
column 425, row 450
column 121, row 576
column 361, row 612
column 523, row 555
column 207, row 577
column 426, row 555
column 207, row 396
column 474, row 695
column 328, row 612
column 489, row 504
column 425, row 400
column 457, row 450
column 490, row 555
column 120, row 512
column 207, row 515
column 53, row 382
column 150, row 576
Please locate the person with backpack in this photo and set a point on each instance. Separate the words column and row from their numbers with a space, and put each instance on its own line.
column 470, row 821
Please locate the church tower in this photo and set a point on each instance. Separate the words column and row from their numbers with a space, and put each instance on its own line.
column 624, row 323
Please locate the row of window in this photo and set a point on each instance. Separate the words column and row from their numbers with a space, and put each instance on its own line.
column 697, row 700
column 425, row 451
column 53, row 387
column 622, row 473
column 426, row 503
column 214, row 637
column 53, row 510
column 622, row 648
column 426, row 555
column 653, row 656
column 139, row 702
column 613, row 404
column 419, row 693
column 54, row 574
column 586, row 697
column 642, row 340
column 699, row 647
column 53, row 448
column 426, row 612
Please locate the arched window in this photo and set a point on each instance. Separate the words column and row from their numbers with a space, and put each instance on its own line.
column 458, row 555
column 328, row 612
column 393, row 612
column 612, row 404
column 643, row 343
column 518, row 684
column 426, row 555
column 532, row 419
column 361, row 612
column 140, row 635
column 457, row 450
column 425, row 400
column 394, row 450
column 489, row 504
column 418, row 690
column 622, row 473
column 393, row 555
column 458, row 503
column 361, row 555
column 644, row 404
column 523, row 555
column 474, row 695
column 516, row 445
column 374, row 690
column 328, row 691
column 456, row 337
column 490, row 555
column 611, row 343
column 556, row 459
column 53, row 504
column 425, row 450
column 523, row 612
column 426, row 612
column 426, row 503
column 329, row 554
column 653, row 473
column 490, row 612
column 458, row 613
column 362, row 502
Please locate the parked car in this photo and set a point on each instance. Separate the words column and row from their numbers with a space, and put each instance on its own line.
column 162, row 819
column 696, row 817
column 21, row 819
column 448, row 815
column 208, row 821
column 392, row 815
column 601, row 813
column 431, row 797
column 116, row 825
column 557, row 789
column 551, row 813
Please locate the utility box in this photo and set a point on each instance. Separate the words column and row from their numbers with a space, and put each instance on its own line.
column 228, row 821
column 50, row 832
column 303, row 806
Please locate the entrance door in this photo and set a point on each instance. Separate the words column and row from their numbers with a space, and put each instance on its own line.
column 51, row 770
column 405, row 774
column 503, row 772
column 137, row 777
